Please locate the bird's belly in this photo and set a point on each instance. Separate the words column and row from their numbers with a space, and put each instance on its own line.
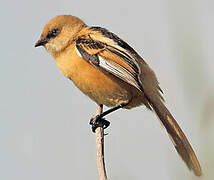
column 100, row 87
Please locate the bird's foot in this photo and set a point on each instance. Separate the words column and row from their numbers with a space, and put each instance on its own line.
column 98, row 121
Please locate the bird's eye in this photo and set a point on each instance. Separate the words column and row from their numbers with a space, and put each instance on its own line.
column 52, row 34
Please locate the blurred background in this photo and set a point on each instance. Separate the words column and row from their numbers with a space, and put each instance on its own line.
column 44, row 131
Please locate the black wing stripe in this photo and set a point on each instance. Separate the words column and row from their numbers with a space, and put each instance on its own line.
column 91, row 43
column 129, row 61
column 92, row 58
column 123, row 52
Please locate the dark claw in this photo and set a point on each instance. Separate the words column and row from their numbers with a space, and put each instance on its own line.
column 98, row 122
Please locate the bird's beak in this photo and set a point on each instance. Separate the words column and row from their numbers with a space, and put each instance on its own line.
column 41, row 42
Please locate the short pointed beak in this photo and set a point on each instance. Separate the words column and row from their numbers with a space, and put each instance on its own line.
column 41, row 42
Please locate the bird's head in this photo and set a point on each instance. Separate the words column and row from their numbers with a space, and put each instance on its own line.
column 59, row 32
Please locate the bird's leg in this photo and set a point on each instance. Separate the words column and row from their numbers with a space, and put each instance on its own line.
column 112, row 110
column 99, row 121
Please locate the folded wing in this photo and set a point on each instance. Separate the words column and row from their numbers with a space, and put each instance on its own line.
column 109, row 58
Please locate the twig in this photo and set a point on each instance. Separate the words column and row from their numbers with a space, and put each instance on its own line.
column 100, row 148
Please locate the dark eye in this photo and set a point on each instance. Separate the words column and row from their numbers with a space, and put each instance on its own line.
column 52, row 34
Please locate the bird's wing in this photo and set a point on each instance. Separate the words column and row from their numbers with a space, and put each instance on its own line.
column 107, row 52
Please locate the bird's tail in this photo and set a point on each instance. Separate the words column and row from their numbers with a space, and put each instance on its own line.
column 178, row 138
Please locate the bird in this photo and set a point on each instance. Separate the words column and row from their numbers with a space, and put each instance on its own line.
column 110, row 72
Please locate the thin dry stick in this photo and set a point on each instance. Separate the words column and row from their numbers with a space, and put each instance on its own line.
column 100, row 148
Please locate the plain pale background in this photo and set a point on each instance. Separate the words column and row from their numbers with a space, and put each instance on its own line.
column 44, row 131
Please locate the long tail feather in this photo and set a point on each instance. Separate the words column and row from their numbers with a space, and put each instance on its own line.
column 178, row 138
